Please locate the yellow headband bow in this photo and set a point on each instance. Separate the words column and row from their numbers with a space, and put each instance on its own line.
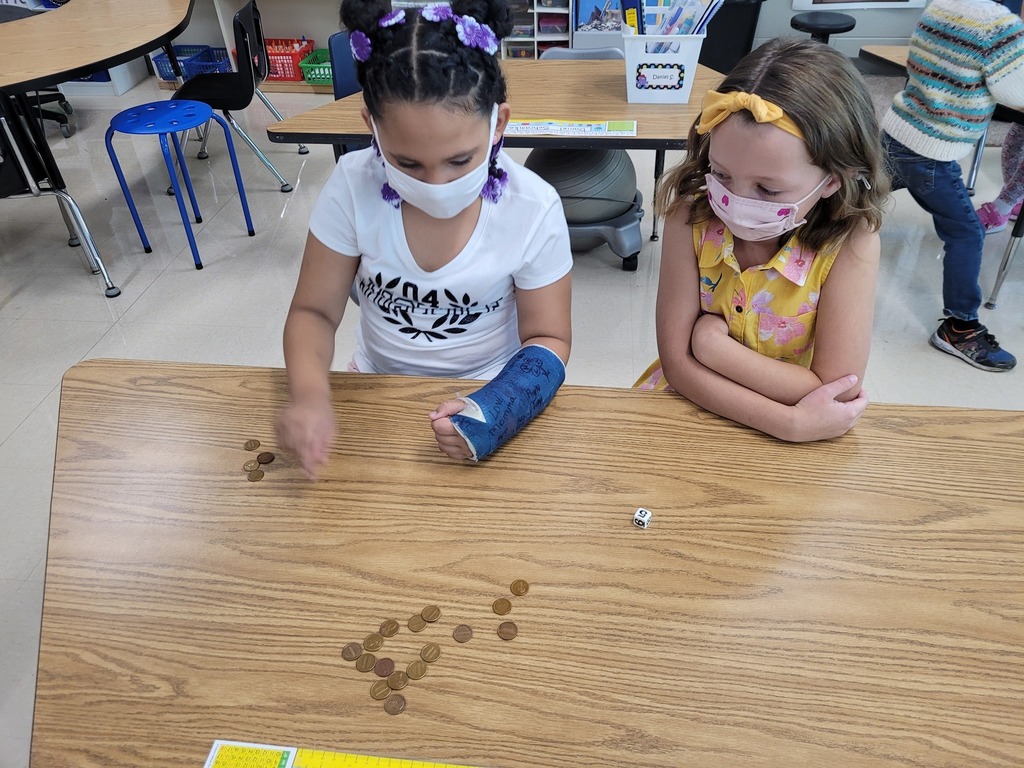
column 718, row 106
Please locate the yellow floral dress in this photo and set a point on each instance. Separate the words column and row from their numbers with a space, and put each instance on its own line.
column 770, row 308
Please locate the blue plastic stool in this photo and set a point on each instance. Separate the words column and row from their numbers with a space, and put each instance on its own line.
column 166, row 118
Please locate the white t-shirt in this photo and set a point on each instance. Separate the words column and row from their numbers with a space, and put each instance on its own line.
column 459, row 320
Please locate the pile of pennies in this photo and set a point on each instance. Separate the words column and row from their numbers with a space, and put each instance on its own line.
column 394, row 680
column 253, row 468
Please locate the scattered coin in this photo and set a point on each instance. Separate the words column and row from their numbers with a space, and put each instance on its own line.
column 373, row 642
column 395, row 704
column 520, row 587
column 383, row 667
column 352, row 651
column 463, row 633
column 398, row 680
column 380, row 690
column 250, row 465
column 255, row 476
column 265, row 458
column 366, row 662
column 502, row 606
column 416, row 669
column 251, row 445
column 507, row 630
column 417, row 623
column 431, row 613
column 389, row 628
column 431, row 652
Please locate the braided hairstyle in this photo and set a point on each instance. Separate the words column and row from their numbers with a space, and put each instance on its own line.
column 424, row 61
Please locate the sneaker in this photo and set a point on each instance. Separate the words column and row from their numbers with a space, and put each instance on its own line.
column 991, row 219
column 975, row 346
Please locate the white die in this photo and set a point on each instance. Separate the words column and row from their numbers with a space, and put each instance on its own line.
column 642, row 518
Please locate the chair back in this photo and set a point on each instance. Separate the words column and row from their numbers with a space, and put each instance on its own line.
column 250, row 48
column 343, row 66
column 21, row 168
column 583, row 53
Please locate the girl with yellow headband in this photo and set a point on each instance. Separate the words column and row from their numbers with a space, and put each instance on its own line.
column 771, row 246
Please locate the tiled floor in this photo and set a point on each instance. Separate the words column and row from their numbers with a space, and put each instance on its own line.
column 53, row 314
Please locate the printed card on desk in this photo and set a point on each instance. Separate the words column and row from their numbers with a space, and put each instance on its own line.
column 570, row 128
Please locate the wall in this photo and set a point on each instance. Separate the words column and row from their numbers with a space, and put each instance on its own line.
column 874, row 27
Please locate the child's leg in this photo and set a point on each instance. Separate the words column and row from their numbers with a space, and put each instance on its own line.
column 1011, row 158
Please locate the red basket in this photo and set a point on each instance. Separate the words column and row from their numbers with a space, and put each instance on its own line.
column 284, row 54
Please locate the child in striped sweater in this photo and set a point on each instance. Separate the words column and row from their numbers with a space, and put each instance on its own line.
column 965, row 56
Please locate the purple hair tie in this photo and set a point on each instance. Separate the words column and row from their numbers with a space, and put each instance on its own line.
column 360, row 45
column 391, row 18
column 473, row 34
column 437, row 12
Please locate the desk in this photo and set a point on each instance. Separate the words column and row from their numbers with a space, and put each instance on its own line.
column 869, row 614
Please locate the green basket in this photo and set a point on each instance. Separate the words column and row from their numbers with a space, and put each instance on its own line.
column 316, row 68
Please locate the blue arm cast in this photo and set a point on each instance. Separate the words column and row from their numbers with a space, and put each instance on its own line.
column 507, row 403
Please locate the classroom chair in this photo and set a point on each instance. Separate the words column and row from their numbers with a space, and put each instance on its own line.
column 343, row 74
column 168, row 118
column 821, row 24
column 231, row 91
column 24, row 173
column 1004, row 265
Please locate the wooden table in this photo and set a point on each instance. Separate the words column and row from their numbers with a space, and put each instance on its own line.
column 82, row 37
column 852, row 603
column 592, row 90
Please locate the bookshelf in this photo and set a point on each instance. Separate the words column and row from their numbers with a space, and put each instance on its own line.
column 539, row 24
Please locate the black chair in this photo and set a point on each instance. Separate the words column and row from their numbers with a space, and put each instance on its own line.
column 821, row 24
column 345, row 81
column 24, row 173
column 227, row 91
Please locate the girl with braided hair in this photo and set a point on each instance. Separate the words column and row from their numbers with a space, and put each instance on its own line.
column 459, row 256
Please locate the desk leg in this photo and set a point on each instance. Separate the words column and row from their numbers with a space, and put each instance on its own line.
column 659, row 168
column 976, row 163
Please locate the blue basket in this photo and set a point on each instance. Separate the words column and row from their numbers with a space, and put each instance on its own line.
column 209, row 61
column 183, row 53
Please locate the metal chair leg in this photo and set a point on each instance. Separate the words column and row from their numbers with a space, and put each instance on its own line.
column 203, row 154
column 285, row 186
column 303, row 149
column 73, row 239
column 976, row 163
column 127, row 192
column 238, row 175
column 68, row 202
column 1004, row 268
column 165, row 147
column 188, row 180
column 659, row 168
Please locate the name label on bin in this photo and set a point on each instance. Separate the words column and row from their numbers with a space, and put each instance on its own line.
column 660, row 77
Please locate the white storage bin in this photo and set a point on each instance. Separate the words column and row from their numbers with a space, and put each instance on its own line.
column 660, row 68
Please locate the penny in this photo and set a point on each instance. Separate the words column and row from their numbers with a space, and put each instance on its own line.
column 265, row 458
column 431, row 613
column 251, row 445
column 395, row 704
column 250, row 465
column 502, row 606
column 416, row 669
column 398, row 680
column 373, row 642
column 417, row 623
column 431, row 652
column 520, row 587
column 366, row 662
column 255, row 476
column 507, row 630
column 380, row 690
column 383, row 667
column 352, row 651
column 462, row 633
column 389, row 628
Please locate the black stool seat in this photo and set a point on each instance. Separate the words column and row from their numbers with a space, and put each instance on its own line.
column 821, row 24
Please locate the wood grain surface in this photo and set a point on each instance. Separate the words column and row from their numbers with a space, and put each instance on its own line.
column 80, row 34
column 858, row 602
column 585, row 91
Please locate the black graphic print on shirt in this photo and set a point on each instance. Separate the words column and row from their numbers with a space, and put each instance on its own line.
column 430, row 317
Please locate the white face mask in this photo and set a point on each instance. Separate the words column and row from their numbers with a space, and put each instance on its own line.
column 441, row 201
column 751, row 219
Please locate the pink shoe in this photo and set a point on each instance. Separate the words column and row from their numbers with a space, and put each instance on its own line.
column 1015, row 212
column 991, row 220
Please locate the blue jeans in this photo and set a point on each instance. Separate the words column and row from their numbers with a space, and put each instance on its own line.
column 939, row 188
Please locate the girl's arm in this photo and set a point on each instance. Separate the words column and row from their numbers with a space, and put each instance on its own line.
column 842, row 336
column 306, row 425
column 816, row 416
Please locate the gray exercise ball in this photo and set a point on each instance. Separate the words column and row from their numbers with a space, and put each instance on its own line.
column 594, row 184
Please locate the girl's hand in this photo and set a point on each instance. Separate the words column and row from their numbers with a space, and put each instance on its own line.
column 306, row 429
column 820, row 416
column 449, row 441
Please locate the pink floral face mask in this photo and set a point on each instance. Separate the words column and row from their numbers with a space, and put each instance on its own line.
column 755, row 220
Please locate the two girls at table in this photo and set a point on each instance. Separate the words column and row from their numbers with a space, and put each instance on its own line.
column 460, row 257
